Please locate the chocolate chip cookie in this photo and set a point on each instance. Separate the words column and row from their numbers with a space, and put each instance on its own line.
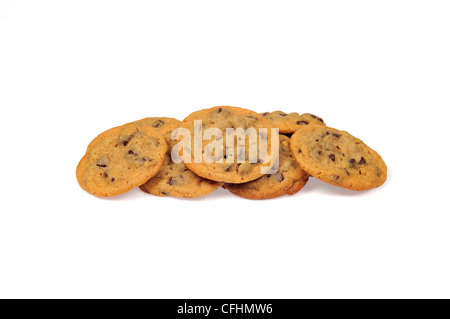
column 163, row 124
column 175, row 179
column 338, row 158
column 226, row 167
column 289, row 179
column 290, row 123
column 121, row 159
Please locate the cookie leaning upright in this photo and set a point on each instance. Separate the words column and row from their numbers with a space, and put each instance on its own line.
column 288, row 180
column 290, row 123
column 228, row 170
column 121, row 159
column 338, row 158
column 174, row 179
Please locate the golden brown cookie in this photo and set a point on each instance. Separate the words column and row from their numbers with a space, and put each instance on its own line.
column 175, row 179
column 289, row 179
column 164, row 125
column 338, row 158
column 290, row 123
column 229, row 170
column 121, row 159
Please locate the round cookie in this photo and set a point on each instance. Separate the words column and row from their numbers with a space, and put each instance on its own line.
column 121, row 159
column 289, row 179
column 228, row 170
column 290, row 123
column 338, row 158
column 175, row 179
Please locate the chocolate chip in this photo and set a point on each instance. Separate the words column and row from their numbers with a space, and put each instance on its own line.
column 299, row 151
column 131, row 152
column 164, row 193
column 219, row 110
column 336, row 135
column 278, row 177
column 320, row 153
column 113, row 179
column 172, row 182
column 333, row 158
column 125, row 139
column 362, row 161
column 352, row 162
column 102, row 162
column 141, row 159
column 317, row 118
column 158, row 124
column 378, row 171
column 302, row 122
column 282, row 114
column 346, row 171
column 265, row 114
column 105, row 175
column 229, row 167
column 336, row 177
column 326, row 134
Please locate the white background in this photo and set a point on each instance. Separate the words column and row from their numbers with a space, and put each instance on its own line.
column 72, row 69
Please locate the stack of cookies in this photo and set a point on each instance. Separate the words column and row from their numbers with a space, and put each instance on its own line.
column 141, row 154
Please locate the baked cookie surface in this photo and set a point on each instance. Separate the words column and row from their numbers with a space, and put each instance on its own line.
column 338, row 158
column 121, row 159
column 163, row 124
column 289, row 179
column 175, row 179
column 290, row 123
column 228, row 170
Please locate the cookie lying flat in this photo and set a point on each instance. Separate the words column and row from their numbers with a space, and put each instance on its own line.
column 121, row 159
column 175, row 179
column 290, row 123
column 289, row 179
column 223, row 117
column 338, row 158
